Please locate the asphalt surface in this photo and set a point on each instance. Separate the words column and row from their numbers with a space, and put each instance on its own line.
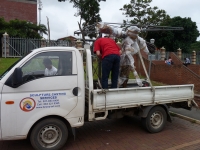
column 194, row 113
column 125, row 134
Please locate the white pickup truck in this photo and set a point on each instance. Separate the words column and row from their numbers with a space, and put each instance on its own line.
column 45, row 108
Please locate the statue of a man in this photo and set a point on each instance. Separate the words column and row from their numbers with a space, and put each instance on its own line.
column 131, row 45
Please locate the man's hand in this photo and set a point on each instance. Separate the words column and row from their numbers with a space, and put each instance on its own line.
column 98, row 54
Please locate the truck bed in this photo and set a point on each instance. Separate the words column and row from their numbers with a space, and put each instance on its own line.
column 101, row 100
column 140, row 96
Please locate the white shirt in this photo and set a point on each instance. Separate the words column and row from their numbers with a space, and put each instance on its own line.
column 50, row 72
column 187, row 61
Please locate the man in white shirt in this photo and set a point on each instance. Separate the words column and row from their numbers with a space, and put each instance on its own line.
column 186, row 62
column 50, row 69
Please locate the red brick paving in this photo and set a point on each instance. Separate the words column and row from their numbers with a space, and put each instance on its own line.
column 125, row 134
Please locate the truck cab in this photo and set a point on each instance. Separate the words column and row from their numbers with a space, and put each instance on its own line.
column 28, row 96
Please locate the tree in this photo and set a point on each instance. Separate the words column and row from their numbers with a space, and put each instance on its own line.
column 172, row 40
column 23, row 29
column 142, row 14
column 88, row 10
column 195, row 47
column 89, row 13
column 3, row 25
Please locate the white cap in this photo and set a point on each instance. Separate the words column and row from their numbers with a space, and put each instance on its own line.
column 133, row 28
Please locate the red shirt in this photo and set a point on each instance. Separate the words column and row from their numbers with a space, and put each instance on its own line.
column 106, row 46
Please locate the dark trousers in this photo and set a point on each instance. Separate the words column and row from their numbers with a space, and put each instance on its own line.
column 110, row 63
column 186, row 64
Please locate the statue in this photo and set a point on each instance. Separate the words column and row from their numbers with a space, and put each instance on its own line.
column 131, row 45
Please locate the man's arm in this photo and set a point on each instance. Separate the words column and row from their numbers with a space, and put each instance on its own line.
column 97, row 48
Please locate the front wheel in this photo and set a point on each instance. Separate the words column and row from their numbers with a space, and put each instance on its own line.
column 155, row 120
column 49, row 134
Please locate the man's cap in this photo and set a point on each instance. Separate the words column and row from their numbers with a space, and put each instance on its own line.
column 133, row 29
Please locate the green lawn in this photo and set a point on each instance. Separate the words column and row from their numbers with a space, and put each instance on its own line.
column 5, row 63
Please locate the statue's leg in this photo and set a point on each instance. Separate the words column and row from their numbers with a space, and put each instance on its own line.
column 138, row 80
column 121, row 77
column 124, row 75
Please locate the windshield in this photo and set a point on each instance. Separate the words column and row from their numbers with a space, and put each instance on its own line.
column 1, row 76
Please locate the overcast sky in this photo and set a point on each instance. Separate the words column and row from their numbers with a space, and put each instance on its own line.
column 63, row 22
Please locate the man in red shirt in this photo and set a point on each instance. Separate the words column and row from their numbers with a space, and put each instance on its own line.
column 109, row 52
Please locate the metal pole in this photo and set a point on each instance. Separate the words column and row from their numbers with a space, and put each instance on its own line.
column 150, row 65
column 5, row 46
column 152, row 42
column 39, row 8
column 4, row 36
column 48, row 30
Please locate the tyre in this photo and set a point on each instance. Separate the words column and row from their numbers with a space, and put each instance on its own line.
column 155, row 120
column 49, row 134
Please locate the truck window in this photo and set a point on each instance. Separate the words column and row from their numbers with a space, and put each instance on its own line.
column 35, row 68
column 48, row 64
column 7, row 70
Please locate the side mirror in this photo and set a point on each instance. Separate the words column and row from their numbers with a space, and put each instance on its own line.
column 17, row 77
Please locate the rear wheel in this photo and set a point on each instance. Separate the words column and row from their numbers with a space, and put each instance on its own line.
column 155, row 120
column 49, row 134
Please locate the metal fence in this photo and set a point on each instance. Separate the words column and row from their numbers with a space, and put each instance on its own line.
column 157, row 56
column 18, row 47
column 184, row 55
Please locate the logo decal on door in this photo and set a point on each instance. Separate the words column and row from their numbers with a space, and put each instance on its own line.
column 27, row 104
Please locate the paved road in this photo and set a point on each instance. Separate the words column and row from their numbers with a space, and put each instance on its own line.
column 126, row 134
column 194, row 113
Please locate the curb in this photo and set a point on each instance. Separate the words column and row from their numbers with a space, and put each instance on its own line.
column 186, row 118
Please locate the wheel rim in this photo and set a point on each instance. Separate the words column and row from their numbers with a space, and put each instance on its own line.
column 49, row 136
column 156, row 119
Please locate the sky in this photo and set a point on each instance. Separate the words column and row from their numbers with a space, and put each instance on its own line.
column 62, row 21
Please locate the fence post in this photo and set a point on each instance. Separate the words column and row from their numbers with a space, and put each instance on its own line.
column 179, row 53
column 5, row 49
column 162, row 53
column 43, row 42
column 193, row 57
column 79, row 46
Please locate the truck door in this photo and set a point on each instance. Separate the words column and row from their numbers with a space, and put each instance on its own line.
column 43, row 91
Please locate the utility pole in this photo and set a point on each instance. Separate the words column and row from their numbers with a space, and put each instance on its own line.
column 39, row 8
column 48, row 30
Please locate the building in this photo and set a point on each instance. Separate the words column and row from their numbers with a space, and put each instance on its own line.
column 19, row 9
column 69, row 40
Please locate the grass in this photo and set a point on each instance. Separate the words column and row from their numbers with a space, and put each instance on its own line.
column 193, row 121
column 5, row 63
column 173, row 114
column 157, row 83
column 37, row 64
